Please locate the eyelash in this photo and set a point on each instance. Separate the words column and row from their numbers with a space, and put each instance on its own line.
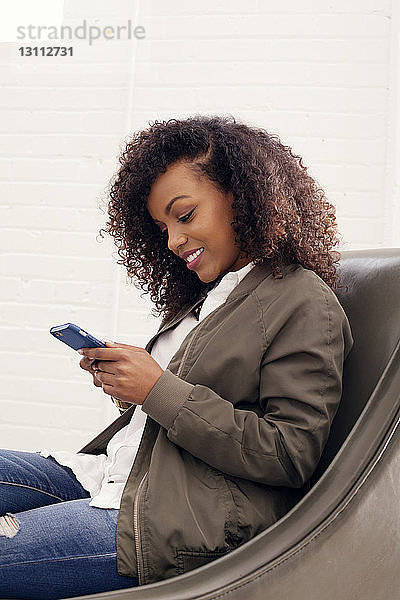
column 183, row 219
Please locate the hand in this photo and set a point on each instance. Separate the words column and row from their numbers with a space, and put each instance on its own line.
column 90, row 365
column 125, row 372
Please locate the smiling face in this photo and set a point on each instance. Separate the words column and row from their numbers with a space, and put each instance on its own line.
column 199, row 217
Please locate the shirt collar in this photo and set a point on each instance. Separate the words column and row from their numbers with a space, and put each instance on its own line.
column 232, row 278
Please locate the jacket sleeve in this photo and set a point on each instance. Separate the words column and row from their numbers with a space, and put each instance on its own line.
column 299, row 392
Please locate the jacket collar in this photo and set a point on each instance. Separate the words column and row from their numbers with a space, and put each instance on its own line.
column 248, row 283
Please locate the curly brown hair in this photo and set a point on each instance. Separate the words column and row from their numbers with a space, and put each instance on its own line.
column 281, row 215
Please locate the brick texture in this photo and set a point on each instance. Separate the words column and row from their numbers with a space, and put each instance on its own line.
column 318, row 73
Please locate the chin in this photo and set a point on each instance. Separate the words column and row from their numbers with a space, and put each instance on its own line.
column 205, row 278
column 212, row 276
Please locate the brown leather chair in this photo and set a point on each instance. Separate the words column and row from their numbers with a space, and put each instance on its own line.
column 342, row 540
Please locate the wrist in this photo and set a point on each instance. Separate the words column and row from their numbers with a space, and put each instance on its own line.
column 166, row 398
column 121, row 404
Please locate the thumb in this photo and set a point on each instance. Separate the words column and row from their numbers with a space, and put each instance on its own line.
column 119, row 345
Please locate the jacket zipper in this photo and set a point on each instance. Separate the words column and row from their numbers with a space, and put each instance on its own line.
column 137, row 530
column 141, row 484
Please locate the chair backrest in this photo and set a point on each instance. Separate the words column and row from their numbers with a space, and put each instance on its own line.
column 372, row 304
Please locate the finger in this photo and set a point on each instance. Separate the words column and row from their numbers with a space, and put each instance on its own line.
column 86, row 364
column 119, row 345
column 105, row 378
column 96, row 382
column 104, row 366
column 101, row 353
column 108, row 389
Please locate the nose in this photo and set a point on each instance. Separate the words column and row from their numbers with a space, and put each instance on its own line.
column 175, row 240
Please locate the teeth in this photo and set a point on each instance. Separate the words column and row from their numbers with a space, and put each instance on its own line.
column 194, row 255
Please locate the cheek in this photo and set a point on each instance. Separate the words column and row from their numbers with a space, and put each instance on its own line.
column 229, row 233
column 219, row 220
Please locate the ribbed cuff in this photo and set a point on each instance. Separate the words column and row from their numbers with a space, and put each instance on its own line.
column 166, row 398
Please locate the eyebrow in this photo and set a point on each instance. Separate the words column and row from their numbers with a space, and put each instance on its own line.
column 169, row 205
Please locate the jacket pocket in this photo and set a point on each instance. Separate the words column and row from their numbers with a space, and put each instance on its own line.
column 187, row 560
column 257, row 506
column 232, row 510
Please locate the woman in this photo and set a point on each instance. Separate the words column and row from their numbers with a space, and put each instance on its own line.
column 226, row 411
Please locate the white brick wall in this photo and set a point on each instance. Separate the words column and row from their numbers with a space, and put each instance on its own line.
column 321, row 74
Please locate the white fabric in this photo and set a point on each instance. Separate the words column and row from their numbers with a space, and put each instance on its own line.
column 104, row 475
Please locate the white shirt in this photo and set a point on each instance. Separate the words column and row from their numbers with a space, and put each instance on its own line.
column 104, row 475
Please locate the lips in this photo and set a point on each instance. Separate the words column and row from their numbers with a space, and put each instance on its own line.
column 193, row 264
column 186, row 254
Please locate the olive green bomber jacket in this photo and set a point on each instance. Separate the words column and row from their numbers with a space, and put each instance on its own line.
column 237, row 423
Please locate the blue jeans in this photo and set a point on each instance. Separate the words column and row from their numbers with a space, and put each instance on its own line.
column 52, row 543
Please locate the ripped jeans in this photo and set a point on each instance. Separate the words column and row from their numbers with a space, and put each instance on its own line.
column 52, row 543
